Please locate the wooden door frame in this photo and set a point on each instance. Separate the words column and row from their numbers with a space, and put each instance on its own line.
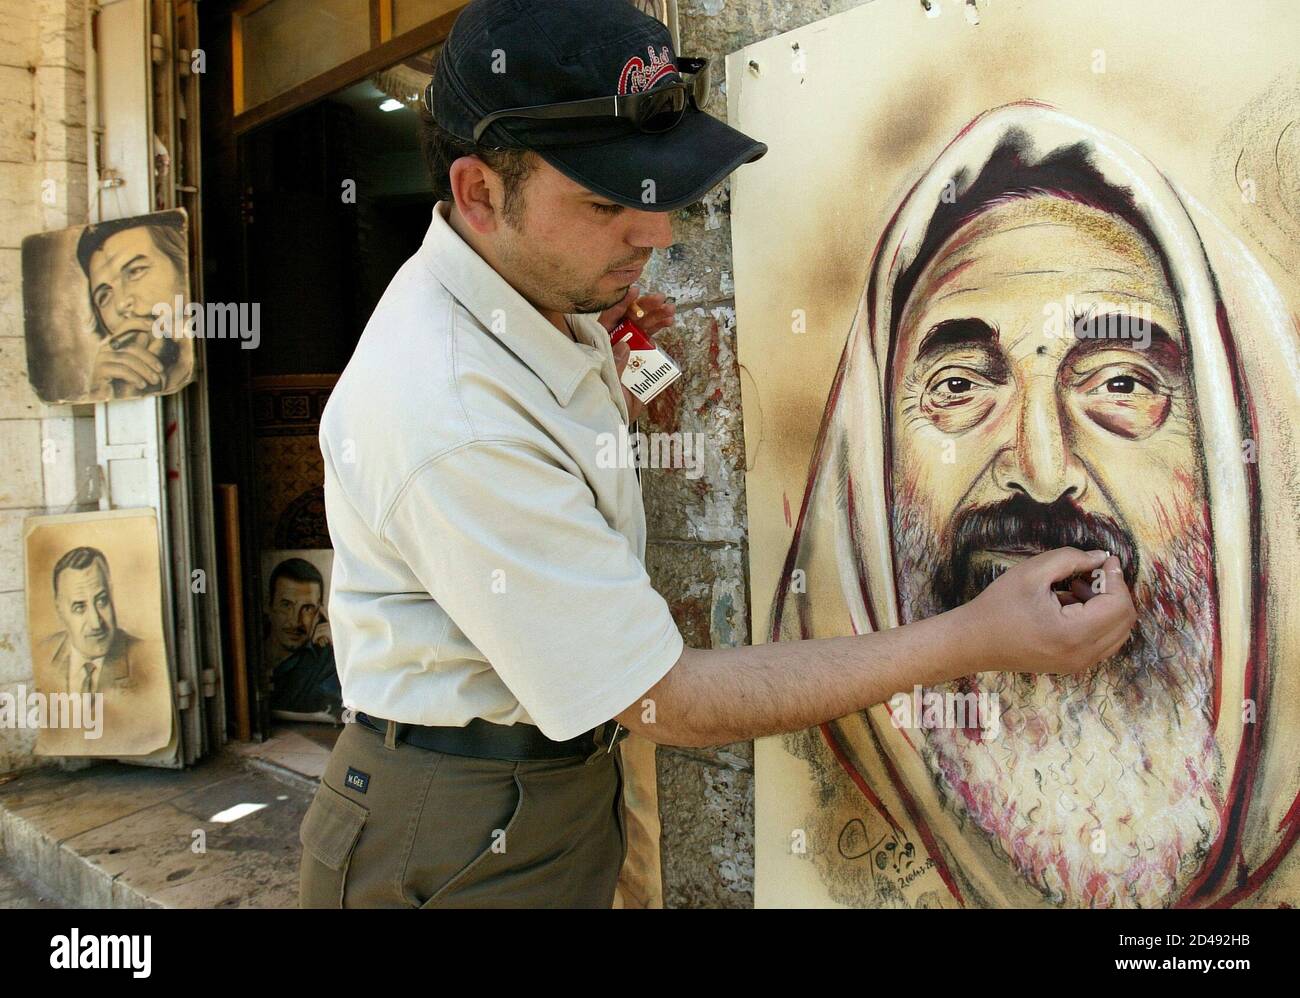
column 385, row 51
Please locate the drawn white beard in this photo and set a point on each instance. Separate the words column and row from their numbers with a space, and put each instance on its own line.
column 1101, row 789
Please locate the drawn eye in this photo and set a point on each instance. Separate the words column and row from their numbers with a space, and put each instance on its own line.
column 1128, row 401
column 957, row 398
column 954, row 387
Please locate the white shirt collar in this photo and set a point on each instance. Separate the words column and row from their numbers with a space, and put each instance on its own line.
column 509, row 316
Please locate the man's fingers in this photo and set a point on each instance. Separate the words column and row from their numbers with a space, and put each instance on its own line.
column 1113, row 606
column 1054, row 566
column 117, row 371
column 149, row 369
column 139, row 354
column 144, row 356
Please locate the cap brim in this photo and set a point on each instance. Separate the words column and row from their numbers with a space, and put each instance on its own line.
column 684, row 163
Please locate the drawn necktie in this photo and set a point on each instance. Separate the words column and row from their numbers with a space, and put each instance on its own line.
column 88, row 686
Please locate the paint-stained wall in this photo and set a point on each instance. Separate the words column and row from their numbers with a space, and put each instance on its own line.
column 697, row 553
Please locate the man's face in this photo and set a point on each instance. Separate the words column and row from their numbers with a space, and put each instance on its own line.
column 295, row 608
column 129, row 275
column 1013, row 432
column 575, row 251
column 85, row 606
column 996, row 406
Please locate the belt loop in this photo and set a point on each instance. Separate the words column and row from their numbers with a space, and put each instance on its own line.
column 390, row 737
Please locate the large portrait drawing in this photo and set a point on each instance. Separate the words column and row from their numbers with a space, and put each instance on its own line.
column 94, row 606
column 105, row 309
column 1056, row 337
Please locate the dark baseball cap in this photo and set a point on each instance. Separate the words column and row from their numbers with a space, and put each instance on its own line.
column 518, row 53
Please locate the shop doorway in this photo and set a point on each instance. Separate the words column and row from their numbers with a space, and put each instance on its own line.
column 320, row 205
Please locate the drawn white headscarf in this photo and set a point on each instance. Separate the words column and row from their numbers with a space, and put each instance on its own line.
column 1244, row 371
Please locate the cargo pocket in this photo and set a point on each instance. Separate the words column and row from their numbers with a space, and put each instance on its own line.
column 328, row 835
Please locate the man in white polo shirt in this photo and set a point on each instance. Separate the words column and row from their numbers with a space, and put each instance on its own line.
column 494, row 624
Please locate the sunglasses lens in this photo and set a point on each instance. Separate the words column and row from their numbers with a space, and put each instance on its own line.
column 661, row 110
column 702, row 86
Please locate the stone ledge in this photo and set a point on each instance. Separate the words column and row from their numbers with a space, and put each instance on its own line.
column 118, row 836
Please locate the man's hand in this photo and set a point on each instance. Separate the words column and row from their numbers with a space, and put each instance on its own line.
column 657, row 314
column 1027, row 626
column 133, row 365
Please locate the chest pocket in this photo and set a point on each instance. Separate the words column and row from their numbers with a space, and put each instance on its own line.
column 329, row 835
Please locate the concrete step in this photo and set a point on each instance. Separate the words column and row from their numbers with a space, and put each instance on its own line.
column 222, row 834
column 17, row 891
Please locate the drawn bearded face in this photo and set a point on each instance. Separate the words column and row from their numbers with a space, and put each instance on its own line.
column 1038, row 398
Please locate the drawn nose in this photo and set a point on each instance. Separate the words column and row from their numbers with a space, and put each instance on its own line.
column 1041, row 463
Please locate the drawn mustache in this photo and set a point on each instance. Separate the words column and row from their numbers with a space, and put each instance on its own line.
column 1021, row 524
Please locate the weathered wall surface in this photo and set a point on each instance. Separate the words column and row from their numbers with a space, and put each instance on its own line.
column 42, row 186
column 697, row 554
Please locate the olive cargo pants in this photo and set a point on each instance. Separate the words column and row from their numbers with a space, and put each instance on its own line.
column 404, row 827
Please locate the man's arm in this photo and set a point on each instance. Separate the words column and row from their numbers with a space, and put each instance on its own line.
column 713, row 697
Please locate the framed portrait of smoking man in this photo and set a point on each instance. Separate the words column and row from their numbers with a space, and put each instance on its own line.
column 300, row 676
column 1035, row 288
column 106, row 309
column 101, row 678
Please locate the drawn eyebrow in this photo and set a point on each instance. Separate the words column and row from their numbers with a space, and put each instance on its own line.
column 1163, row 349
column 952, row 333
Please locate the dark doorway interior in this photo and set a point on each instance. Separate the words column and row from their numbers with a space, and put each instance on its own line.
column 308, row 216
column 336, row 198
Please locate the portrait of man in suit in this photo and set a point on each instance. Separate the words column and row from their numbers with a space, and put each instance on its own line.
column 92, row 654
column 95, row 610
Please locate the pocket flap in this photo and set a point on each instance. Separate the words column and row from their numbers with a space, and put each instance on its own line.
column 331, row 826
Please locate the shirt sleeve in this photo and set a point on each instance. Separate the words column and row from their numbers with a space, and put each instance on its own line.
column 511, row 545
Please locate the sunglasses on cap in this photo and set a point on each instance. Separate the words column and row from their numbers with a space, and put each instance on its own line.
column 655, row 110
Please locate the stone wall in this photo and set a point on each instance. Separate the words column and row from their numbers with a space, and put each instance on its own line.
column 42, row 186
column 697, row 553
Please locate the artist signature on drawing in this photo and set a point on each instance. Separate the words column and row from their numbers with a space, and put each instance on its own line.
column 891, row 852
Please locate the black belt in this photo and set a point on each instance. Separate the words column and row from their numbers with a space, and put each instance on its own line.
column 482, row 739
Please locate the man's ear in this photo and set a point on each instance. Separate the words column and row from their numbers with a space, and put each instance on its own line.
column 474, row 185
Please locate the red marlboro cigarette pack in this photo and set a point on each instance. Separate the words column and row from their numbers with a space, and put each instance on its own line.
column 649, row 370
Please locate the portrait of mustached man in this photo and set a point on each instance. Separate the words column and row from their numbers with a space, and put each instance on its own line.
column 106, row 310
column 135, row 275
column 1054, row 348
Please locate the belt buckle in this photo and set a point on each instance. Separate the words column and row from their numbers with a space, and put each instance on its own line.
column 606, row 740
